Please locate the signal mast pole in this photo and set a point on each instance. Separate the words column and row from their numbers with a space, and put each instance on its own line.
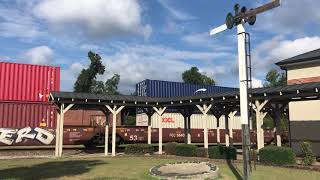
column 239, row 19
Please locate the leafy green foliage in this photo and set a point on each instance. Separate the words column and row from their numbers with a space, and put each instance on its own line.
column 170, row 148
column 274, row 78
column 86, row 81
column 193, row 76
column 277, row 155
column 87, row 76
column 110, row 87
column 222, row 152
column 185, row 150
column 307, row 155
column 139, row 149
column 130, row 121
column 201, row 152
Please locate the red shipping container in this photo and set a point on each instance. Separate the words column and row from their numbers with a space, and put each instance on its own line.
column 26, row 82
column 22, row 114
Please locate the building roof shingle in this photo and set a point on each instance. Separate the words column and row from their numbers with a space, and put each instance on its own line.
column 311, row 56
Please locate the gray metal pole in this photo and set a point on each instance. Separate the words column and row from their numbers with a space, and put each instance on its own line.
column 244, row 99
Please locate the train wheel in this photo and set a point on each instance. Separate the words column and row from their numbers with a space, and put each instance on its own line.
column 119, row 140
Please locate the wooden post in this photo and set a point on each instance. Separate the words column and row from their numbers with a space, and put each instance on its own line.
column 204, row 109
column 61, row 130
column 57, row 134
column 185, row 127
column 149, row 113
column 276, row 113
column 160, row 112
column 226, row 128
column 258, row 106
column 149, row 129
column 106, row 140
column 231, row 116
column 189, row 130
column 218, row 129
column 205, row 131
column 63, row 110
column 186, row 113
column 114, row 112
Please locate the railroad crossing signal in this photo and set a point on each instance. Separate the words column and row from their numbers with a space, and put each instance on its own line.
column 240, row 17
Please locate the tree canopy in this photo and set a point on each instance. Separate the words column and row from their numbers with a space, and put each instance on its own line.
column 275, row 78
column 110, row 87
column 87, row 76
column 193, row 76
column 86, row 81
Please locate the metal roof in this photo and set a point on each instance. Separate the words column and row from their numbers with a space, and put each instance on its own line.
column 280, row 93
column 302, row 58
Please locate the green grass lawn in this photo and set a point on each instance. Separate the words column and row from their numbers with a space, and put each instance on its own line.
column 125, row 168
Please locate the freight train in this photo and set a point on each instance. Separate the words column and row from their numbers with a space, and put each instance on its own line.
column 25, row 124
column 94, row 136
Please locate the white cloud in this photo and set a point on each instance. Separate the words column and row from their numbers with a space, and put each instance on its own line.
column 136, row 63
column 174, row 12
column 172, row 27
column 276, row 49
column 95, row 19
column 256, row 83
column 16, row 20
column 293, row 16
column 199, row 39
column 69, row 75
column 89, row 47
column 225, row 43
column 39, row 55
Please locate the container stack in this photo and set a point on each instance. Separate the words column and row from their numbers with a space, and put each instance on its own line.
column 25, row 112
column 172, row 118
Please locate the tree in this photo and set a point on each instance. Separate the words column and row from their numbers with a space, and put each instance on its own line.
column 193, row 76
column 110, row 87
column 88, row 76
column 87, row 82
column 274, row 78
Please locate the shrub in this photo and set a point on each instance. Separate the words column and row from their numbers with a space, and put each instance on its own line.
column 185, row 150
column 222, row 152
column 139, row 149
column 201, row 152
column 170, row 148
column 307, row 155
column 276, row 155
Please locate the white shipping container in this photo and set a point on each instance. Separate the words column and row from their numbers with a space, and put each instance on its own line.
column 175, row 120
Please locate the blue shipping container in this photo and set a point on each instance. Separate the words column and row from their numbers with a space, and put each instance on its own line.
column 156, row 88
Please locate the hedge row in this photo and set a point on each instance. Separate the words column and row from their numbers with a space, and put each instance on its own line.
column 170, row 148
column 185, row 150
column 218, row 152
column 139, row 149
column 222, row 152
column 276, row 155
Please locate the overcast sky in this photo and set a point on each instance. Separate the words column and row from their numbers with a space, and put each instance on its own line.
column 151, row 39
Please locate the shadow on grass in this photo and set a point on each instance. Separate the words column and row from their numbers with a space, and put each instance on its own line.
column 53, row 169
column 234, row 170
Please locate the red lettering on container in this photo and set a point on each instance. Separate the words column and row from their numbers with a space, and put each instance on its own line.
column 167, row 120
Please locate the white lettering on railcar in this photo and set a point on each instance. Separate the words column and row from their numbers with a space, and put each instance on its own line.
column 6, row 136
column 10, row 136
column 133, row 137
column 24, row 133
column 44, row 136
